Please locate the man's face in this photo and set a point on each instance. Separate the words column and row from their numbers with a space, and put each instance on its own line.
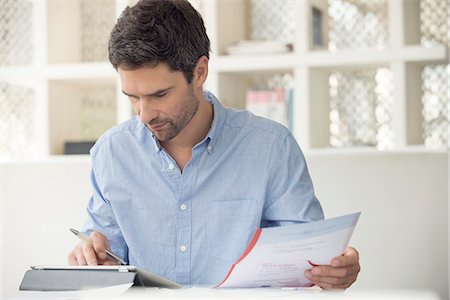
column 162, row 98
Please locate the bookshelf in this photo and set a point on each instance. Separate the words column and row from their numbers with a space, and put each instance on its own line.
column 311, row 66
column 75, row 93
column 74, row 87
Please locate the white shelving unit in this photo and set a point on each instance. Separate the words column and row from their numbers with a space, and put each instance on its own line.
column 311, row 68
column 60, row 76
column 61, row 79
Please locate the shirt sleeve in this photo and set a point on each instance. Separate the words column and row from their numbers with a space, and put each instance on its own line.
column 101, row 218
column 290, row 196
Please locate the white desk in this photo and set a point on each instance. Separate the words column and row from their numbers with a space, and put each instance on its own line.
column 259, row 293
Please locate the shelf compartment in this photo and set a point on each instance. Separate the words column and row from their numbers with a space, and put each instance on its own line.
column 361, row 108
column 79, row 111
column 251, row 20
column 269, row 94
column 19, row 124
column 358, row 25
column 84, row 36
column 17, row 24
column 435, row 109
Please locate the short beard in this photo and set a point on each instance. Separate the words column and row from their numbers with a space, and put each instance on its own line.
column 175, row 126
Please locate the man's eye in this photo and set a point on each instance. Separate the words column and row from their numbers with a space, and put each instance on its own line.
column 161, row 95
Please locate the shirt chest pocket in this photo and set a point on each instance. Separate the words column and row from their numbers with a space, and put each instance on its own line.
column 230, row 227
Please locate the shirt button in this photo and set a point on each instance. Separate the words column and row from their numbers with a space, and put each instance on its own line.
column 183, row 248
column 171, row 167
column 183, row 206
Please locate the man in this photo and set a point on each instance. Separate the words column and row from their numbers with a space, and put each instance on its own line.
column 180, row 189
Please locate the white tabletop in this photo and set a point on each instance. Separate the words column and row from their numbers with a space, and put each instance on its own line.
column 122, row 292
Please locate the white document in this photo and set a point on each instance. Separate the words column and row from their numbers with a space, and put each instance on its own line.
column 279, row 256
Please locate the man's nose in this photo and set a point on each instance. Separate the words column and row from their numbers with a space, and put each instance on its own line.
column 147, row 112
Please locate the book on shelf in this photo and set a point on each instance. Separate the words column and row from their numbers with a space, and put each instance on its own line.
column 318, row 40
column 273, row 104
column 78, row 147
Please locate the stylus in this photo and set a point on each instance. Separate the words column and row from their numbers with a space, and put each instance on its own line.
column 85, row 238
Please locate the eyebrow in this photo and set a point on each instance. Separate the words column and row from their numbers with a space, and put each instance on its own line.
column 154, row 94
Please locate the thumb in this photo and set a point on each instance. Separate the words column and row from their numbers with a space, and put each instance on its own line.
column 100, row 244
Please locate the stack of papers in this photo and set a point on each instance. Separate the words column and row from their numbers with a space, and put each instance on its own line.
column 279, row 256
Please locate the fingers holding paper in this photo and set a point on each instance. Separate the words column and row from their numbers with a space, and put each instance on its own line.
column 92, row 253
column 340, row 274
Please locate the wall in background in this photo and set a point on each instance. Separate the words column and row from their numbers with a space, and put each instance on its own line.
column 403, row 229
column 402, row 233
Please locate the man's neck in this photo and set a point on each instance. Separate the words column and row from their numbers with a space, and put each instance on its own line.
column 195, row 131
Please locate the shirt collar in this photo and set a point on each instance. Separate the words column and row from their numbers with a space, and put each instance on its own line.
column 146, row 136
column 213, row 133
column 218, row 120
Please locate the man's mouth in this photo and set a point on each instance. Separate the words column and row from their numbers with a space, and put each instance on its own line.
column 158, row 126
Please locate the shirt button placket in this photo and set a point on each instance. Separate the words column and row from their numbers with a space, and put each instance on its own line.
column 184, row 233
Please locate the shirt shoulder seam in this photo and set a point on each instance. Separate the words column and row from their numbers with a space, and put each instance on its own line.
column 108, row 136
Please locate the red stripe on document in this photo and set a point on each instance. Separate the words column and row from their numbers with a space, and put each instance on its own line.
column 247, row 251
column 314, row 265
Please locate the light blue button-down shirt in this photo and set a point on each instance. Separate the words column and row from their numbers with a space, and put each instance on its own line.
column 191, row 226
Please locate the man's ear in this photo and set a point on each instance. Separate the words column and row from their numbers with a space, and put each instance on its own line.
column 200, row 71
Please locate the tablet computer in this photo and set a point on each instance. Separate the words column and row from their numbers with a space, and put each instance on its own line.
column 141, row 277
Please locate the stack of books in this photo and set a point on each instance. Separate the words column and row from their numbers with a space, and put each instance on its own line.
column 258, row 47
column 273, row 104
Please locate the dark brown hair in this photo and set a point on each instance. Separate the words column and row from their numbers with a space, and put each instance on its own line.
column 159, row 31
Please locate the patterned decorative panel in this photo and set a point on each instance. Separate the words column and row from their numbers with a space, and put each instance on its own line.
column 16, row 32
column 272, row 20
column 272, row 81
column 434, row 27
column 434, row 22
column 98, row 111
column 361, row 108
column 435, row 111
column 17, row 121
column 358, row 24
column 98, row 19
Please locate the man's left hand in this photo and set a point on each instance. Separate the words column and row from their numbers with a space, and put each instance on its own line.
column 340, row 274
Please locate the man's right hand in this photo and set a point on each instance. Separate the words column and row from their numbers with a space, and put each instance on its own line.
column 91, row 254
